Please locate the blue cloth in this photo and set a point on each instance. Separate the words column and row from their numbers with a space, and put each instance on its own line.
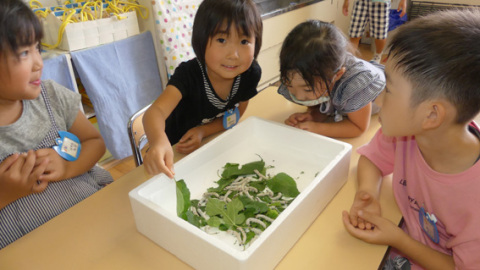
column 56, row 69
column 395, row 19
column 120, row 78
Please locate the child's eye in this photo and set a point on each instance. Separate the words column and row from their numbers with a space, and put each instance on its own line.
column 221, row 40
column 23, row 53
column 245, row 42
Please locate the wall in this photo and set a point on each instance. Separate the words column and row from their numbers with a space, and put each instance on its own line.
column 463, row 2
column 276, row 28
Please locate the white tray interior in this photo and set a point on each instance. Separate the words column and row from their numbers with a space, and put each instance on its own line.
column 317, row 163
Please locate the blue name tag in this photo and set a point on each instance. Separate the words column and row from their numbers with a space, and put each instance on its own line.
column 230, row 118
column 68, row 146
column 429, row 225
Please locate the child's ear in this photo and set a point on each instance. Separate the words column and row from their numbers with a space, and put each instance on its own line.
column 435, row 115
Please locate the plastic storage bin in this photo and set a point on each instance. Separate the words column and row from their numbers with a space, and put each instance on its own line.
column 319, row 165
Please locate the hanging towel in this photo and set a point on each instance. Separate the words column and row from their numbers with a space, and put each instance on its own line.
column 57, row 69
column 120, row 78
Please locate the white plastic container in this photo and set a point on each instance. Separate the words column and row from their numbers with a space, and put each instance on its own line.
column 319, row 165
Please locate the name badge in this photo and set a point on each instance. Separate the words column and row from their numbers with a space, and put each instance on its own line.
column 230, row 118
column 429, row 225
column 68, row 146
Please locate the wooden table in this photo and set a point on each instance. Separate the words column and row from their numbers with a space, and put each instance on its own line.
column 100, row 232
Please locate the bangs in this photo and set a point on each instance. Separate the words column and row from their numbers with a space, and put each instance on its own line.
column 23, row 29
column 244, row 24
column 28, row 35
column 217, row 16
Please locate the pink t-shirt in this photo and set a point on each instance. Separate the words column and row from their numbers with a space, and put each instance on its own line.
column 452, row 199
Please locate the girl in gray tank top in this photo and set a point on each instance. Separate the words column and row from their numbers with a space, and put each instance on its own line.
column 39, row 178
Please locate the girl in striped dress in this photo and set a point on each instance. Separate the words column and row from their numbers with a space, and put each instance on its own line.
column 318, row 70
column 49, row 148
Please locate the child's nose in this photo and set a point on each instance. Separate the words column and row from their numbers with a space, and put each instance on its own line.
column 37, row 61
column 232, row 51
column 298, row 95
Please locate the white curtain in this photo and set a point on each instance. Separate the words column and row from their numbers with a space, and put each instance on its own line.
column 174, row 23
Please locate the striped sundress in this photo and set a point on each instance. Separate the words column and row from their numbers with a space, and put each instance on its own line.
column 27, row 213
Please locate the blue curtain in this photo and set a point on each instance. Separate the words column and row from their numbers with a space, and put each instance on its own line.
column 120, row 78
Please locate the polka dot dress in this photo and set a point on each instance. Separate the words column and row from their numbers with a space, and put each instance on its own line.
column 174, row 23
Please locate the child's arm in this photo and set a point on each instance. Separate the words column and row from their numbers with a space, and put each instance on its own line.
column 387, row 233
column 93, row 147
column 193, row 138
column 369, row 179
column 312, row 114
column 159, row 157
column 352, row 126
column 345, row 7
column 365, row 222
column 18, row 177
column 402, row 5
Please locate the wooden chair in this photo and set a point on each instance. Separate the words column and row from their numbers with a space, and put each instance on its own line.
column 136, row 133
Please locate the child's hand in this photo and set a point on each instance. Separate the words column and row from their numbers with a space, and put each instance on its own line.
column 56, row 167
column 159, row 159
column 309, row 126
column 19, row 177
column 345, row 7
column 384, row 231
column 297, row 118
column 363, row 202
column 403, row 7
column 190, row 141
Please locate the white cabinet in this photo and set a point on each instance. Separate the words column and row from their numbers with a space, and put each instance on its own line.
column 276, row 28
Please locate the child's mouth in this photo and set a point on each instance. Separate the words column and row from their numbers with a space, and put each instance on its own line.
column 36, row 82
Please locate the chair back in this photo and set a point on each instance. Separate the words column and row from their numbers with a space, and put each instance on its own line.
column 106, row 73
column 136, row 133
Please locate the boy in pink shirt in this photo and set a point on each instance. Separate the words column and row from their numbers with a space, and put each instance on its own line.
column 430, row 144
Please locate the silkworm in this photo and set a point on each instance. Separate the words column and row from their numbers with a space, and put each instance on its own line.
column 237, row 234
column 207, row 230
column 262, row 177
column 205, row 216
column 194, row 210
column 202, row 202
column 269, row 219
column 248, row 194
column 265, row 192
column 226, row 198
column 256, row 220
column 234, row 188
column 244, row 235
column 255, row 230
column 211, row 194
column 279, row 195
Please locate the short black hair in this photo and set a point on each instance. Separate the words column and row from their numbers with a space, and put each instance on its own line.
column 18, row 25
column 210, row 16
column 439, row 54
column 314, row 49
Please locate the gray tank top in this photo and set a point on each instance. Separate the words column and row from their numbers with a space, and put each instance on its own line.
column 27, row 213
